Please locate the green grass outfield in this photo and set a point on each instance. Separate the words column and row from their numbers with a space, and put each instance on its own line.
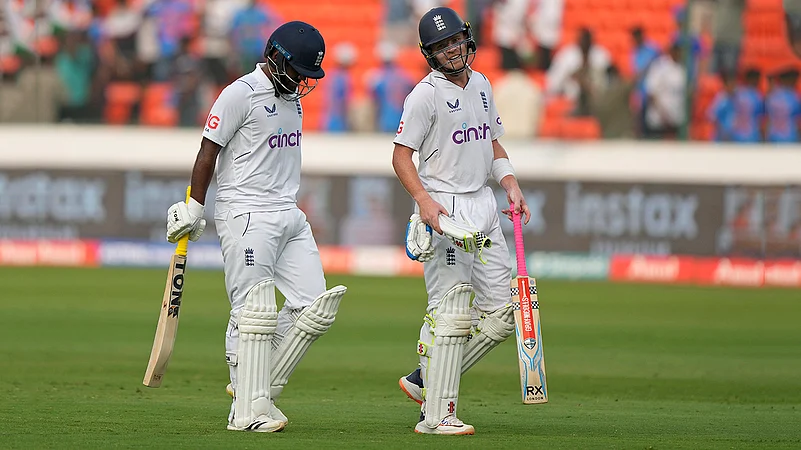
column 629, row 366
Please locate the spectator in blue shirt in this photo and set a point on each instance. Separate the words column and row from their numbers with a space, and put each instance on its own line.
column 250, row 29
column 721, row 111
column 738, row 112
column 389, row 85
column 339, row 89
column 173, row 23
column 697, row 50
column 643, row 53
column 783, row 109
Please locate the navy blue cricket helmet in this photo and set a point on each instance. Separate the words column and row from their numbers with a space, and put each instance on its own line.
column 302, row 47
column 439, row 24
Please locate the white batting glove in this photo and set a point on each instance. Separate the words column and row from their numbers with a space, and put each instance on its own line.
column 465, row 236
column 418, row 240
column 183, row 218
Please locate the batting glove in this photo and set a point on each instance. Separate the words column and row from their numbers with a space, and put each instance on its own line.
column 465, row 236
column 183, row 218
column 418, row 240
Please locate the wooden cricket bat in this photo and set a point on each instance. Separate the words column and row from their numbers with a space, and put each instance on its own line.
column 167, row 327
column 527, row 326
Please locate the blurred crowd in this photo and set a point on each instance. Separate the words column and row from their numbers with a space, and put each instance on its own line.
column 162, row 62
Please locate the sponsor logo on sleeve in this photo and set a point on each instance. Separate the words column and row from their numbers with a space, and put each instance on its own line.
column 212, row 122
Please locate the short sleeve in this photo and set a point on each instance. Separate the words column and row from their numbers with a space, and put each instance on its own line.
column 417, row 117
column 496, row 125
column 228, row 113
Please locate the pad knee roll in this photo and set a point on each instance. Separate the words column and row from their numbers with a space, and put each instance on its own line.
column 311, row 323
column 492, row 329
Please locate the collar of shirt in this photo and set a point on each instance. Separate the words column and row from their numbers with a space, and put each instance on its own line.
column 262, row 77
column 440, row 75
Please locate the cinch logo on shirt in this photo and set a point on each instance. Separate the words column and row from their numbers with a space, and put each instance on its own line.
column 281, row 140
column 467, row 134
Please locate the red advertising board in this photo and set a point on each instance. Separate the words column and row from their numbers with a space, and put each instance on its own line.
column 75, row 253
column 653, row 269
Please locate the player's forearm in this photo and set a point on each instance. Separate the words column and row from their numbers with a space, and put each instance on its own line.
column 498, row 151
column 407, row 174
column 509, row 182
column 501, row 167
column 203, row 170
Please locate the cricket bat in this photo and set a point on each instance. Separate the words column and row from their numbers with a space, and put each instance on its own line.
column 167, row 327
column 527, row 326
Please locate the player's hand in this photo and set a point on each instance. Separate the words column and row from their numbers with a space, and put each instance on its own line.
column 517, row 204
column 429, row 213
column 183, row 218
column 418, row 240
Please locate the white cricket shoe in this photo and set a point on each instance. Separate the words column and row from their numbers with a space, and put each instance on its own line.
column 275, row 413
column 412, row 386
column 262, row 424
column 450, row 425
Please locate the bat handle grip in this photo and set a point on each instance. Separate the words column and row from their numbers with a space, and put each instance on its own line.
column 180, row 249
column 520, row 252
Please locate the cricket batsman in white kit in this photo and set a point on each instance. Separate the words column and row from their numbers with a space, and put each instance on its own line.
column 451, row 122
column 253, row 135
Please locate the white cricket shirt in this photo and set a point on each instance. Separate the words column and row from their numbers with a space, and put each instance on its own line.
column 258, row 168
column 666, row 82
column 452, row 130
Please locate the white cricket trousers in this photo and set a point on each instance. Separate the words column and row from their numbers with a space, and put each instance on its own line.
column 451, row 266
column 261, row 245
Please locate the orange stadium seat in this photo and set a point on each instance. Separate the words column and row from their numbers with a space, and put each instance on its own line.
column 558, row 107
column 581, row 128
column 157, row 109
column 702, row 130
column 764, row 5
column 159, row 116
column 551, row 127
column 120, row 98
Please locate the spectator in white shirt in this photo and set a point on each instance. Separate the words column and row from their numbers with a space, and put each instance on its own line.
column 576, row 68
column 546, row 24
column 510, row 32
column 665, row 88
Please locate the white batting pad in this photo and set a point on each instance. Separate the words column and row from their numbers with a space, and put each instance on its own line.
column 312, row 323
column 257, row 322
column 492, row 329
column 451, row 328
